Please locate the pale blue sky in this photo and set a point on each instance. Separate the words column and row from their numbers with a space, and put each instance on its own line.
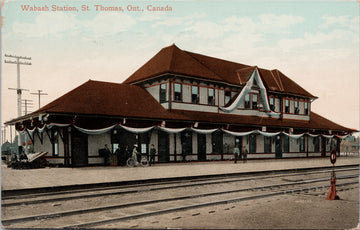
column 315, row 43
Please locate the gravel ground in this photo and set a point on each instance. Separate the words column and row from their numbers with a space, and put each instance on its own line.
column 293, row 211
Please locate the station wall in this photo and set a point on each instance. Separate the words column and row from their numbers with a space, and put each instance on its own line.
column 96, row 142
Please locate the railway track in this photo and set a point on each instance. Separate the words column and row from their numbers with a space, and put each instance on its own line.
column 39, row 197
column 97, row 207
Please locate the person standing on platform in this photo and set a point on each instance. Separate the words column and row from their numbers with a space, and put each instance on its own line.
column 107, row 154
column 152, row 155
column 127, row 153
column 135, row 153
column 119, row 154
column 245, row 153
column 124, row 155
column 236, row 153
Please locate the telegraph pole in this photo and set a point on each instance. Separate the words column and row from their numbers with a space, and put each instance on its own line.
column 18, row 61
column 3, row 134
column 39, row 94
column 11, row 139
column 27, row 104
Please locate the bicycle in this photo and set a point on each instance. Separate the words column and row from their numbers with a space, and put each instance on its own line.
column 132, row 163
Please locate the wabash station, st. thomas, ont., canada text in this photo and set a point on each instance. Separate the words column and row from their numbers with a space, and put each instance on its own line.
column 129, row 8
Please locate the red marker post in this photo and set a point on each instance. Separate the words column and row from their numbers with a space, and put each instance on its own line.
column 332, row 193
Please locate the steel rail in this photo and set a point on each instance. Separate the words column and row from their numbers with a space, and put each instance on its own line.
column 228, row 201
column 82, row 211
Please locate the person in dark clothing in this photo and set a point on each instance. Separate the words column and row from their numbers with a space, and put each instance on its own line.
column 152, row 155
column 107, row 154
column 127, row 152
column 14, row 158
column 124, row 155
column 119, row 153
column 23, row 156
column 245, row 153
column 236, row 153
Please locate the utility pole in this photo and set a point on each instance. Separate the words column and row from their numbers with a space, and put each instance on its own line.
column 3, row 135
column 18, row 63
column 19, row 90
column 39, row 94
column 11, row 139
column 27, row 104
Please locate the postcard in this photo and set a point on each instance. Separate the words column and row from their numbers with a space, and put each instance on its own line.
column 153, row 114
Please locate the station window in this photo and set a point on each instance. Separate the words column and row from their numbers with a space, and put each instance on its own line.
column 297, row 107
column 143, row 148
column 267, row 141
column 252, row 143
column 287, row 106
column 217, row 142
column 302, row 144
column 55, row 142
column 272, row 103
column 286, row 143
column 254, row 101
column 247, row 101
column 186, row 142
column 316, row 143
column 211, row 96
column 227, row 96
column 162, row 93
column 177, row 92
column 195, row 94
column 306, row 108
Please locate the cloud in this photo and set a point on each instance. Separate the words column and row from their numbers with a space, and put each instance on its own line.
column 279, row 21
column 335, row 38
column 344, row 21
column 245, row 41
column 206, row 29
column 46, row 23
column 264, row 23
column 176, row 21
column 106, row 23
column 235, row 23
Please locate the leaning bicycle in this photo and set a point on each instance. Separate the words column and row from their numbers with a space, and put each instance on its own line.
column 131, row 162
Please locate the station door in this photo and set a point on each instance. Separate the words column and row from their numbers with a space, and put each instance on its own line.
column 201, row 147
column 217, row 143
column 79, row 148
column 278, row 147
column 163, row 148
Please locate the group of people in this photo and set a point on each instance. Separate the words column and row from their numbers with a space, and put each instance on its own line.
column 123, row 153
column 240, row 154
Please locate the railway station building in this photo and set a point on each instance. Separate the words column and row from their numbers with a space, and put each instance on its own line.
column 191, row 107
